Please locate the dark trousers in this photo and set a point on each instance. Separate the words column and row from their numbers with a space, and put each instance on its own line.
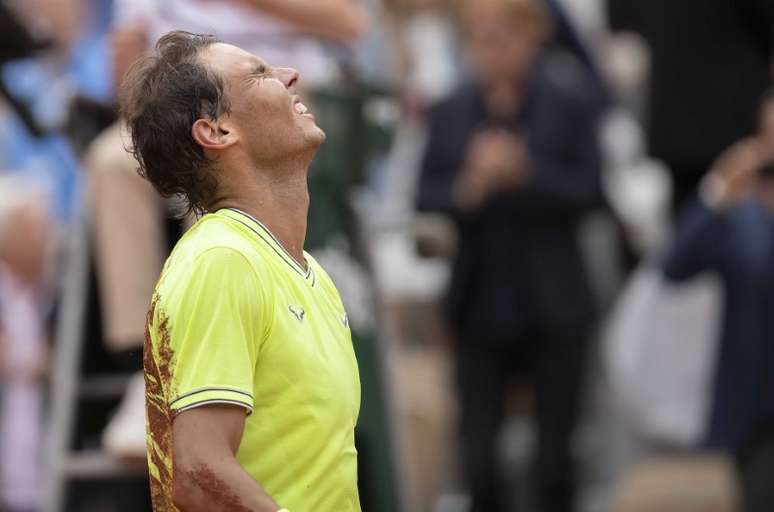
column 555, row 363
column 755, row 464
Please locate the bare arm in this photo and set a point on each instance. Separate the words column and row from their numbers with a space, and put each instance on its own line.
column 207, row 476
column 342, row 20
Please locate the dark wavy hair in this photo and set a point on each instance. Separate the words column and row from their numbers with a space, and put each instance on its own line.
column 161, row 97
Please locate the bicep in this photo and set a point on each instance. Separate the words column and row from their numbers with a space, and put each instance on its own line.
column 208, row 478
column 207, row 433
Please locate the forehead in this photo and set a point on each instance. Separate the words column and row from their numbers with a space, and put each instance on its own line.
column 229, row 60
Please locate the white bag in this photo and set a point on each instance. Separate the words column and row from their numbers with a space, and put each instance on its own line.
column 660, row 347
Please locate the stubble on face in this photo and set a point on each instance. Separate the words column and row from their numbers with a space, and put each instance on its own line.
column 262, row 105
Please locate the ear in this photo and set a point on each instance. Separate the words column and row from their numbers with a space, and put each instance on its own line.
column 214, row 134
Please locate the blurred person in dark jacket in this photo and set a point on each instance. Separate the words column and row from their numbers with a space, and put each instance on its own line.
column 512, row 157
column 729, row 230
column 710, row 62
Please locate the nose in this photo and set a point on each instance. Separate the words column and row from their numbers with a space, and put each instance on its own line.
column 288, row 76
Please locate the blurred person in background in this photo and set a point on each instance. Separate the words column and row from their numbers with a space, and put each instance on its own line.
column 729, row 230
column 25, row 250
column 44, row 68
column 512, row 157
column 698, row 105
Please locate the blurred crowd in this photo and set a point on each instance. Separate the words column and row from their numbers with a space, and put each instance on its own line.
column 551, row 223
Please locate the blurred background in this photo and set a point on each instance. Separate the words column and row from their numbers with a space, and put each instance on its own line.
column 551, row 223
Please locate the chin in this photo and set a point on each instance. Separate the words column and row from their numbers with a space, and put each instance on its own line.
column 316, row 136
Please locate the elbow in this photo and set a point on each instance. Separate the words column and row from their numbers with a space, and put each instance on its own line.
column 183, row 492
column 186, row 491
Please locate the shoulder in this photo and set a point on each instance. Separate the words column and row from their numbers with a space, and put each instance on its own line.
column 214, row 230
column 214, row 249
column 215, row 236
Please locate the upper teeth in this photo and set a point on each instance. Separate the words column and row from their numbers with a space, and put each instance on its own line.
column 300, row 108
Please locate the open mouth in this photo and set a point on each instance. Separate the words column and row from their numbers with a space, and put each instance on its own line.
column 301, row 109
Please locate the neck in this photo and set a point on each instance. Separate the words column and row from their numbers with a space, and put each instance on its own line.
column 276, row 196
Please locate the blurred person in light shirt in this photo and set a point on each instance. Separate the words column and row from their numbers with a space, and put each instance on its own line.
column 25, row 249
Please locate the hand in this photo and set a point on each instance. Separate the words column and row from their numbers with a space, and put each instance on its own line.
column 734, row 174
column 496, row 160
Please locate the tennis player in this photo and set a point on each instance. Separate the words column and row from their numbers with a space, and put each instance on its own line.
column 252, row 387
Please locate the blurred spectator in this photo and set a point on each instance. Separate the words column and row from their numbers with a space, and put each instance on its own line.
column 25, row 242
column 512, row 157
column 699, row 50
column 729, row 230
column 40, row 83
column 59, row 20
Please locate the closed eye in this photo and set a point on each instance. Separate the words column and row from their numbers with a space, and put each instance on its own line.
column 258, row 73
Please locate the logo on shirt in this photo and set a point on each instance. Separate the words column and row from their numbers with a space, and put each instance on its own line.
column 298, row 312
